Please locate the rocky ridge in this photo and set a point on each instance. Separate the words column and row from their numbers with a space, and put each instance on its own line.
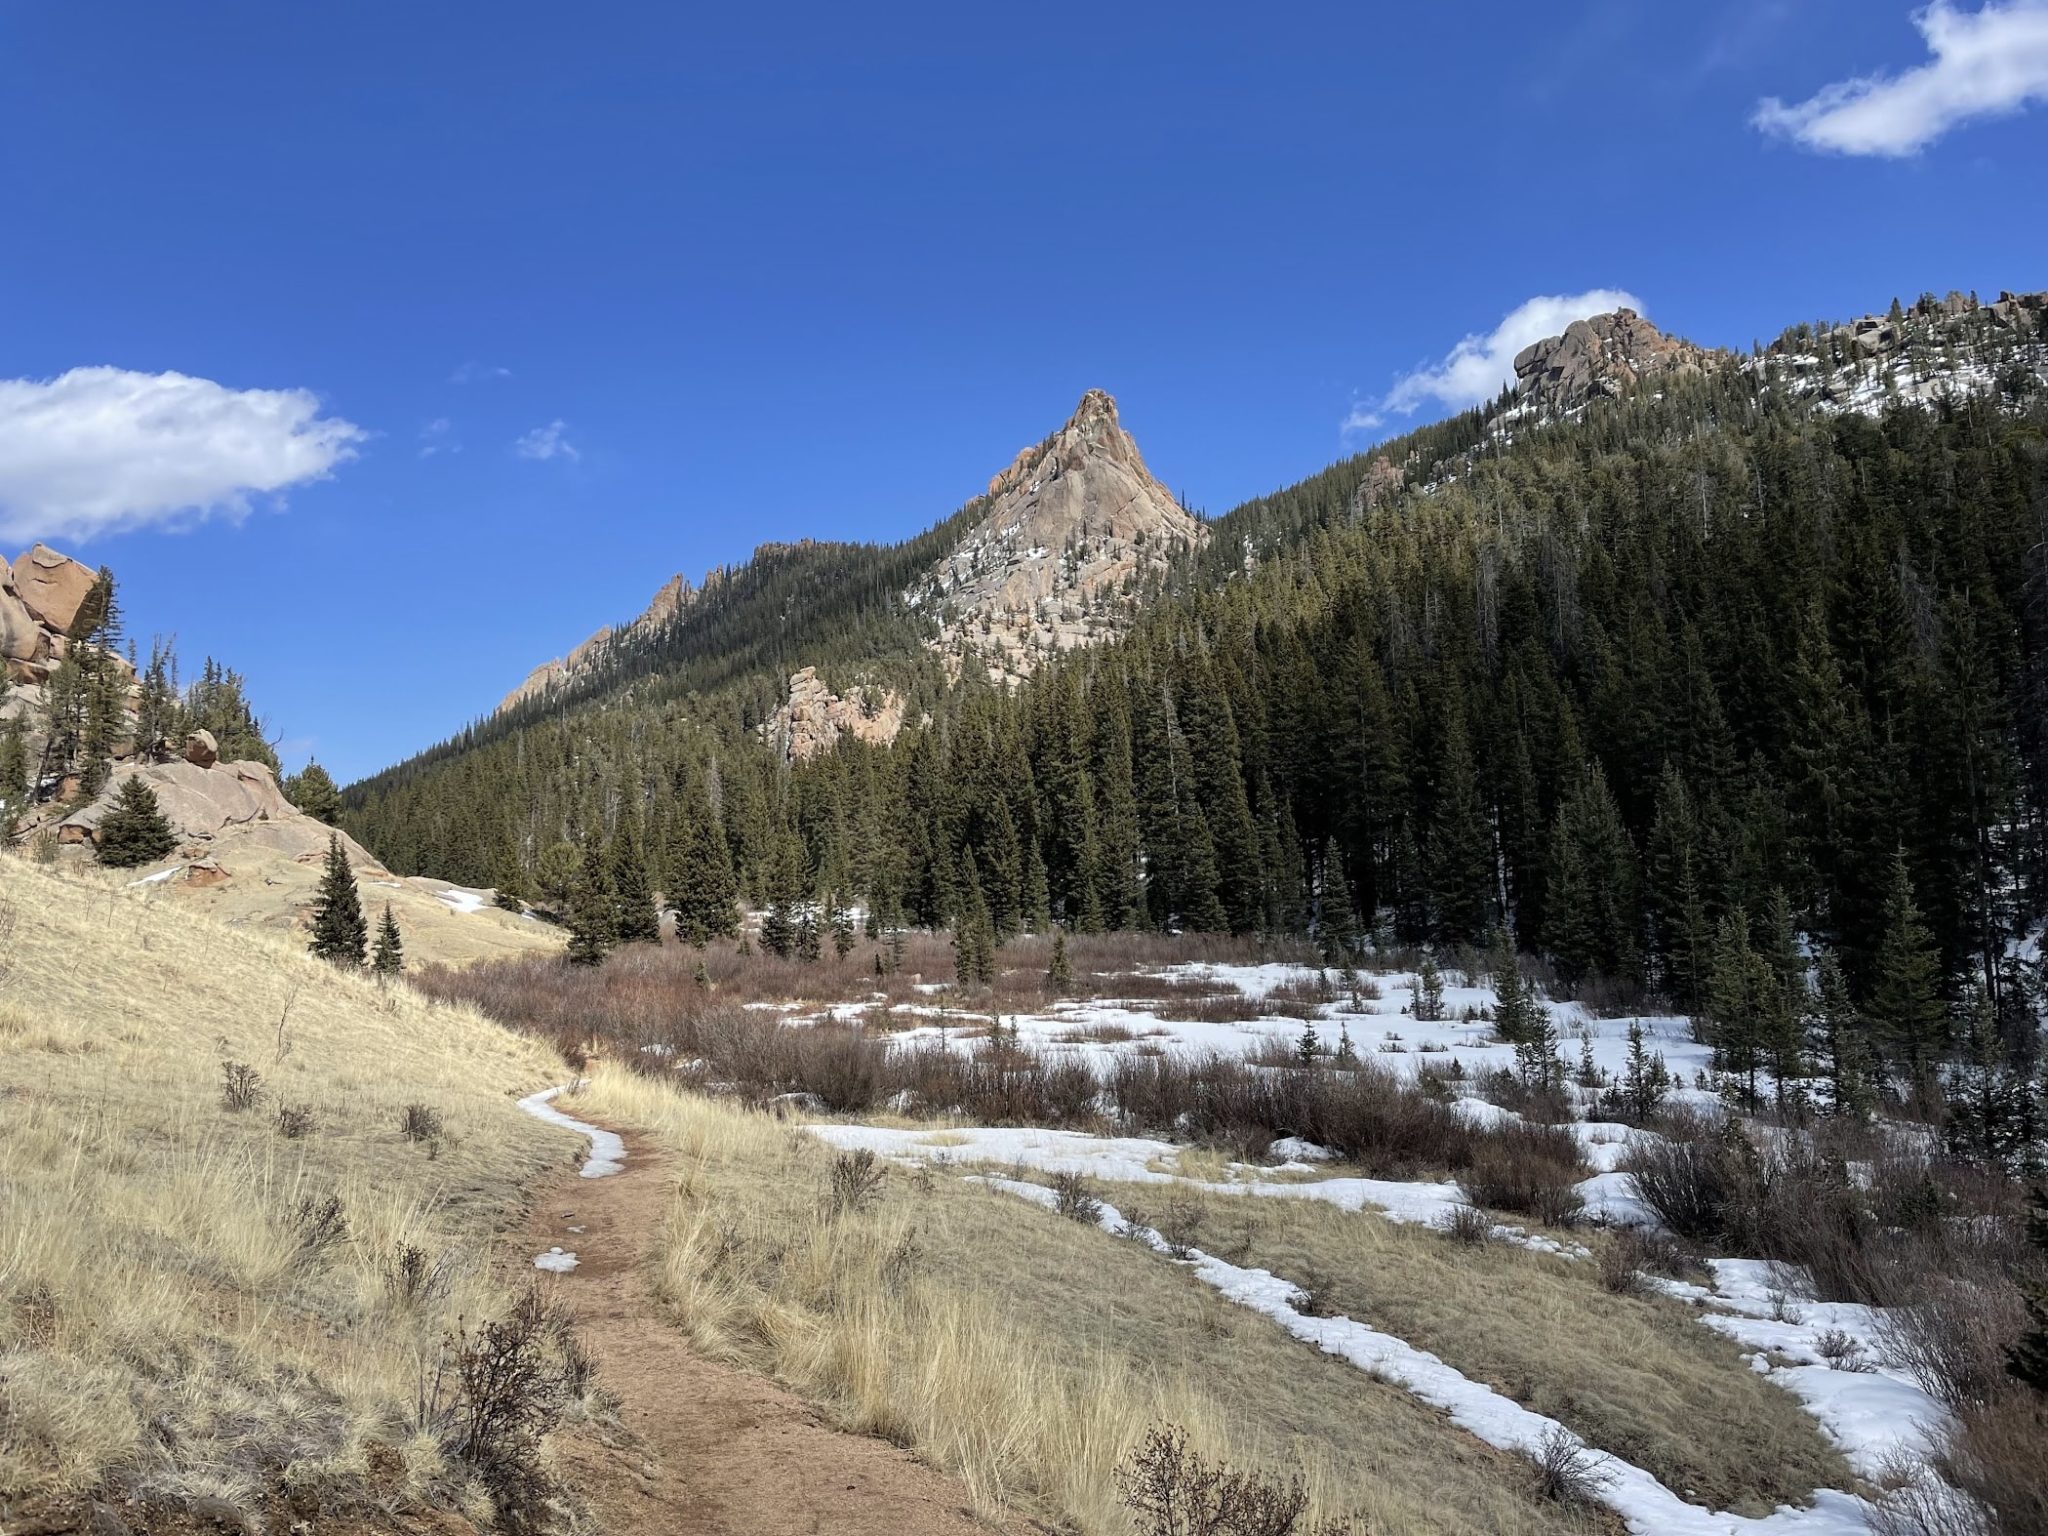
column 1075, row 526
column 674, row 595
column 1935, row 349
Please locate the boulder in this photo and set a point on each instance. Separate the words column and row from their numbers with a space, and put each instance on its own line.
column 52, row 586
column 21, row 637
column 201, row 750
column 205, row 872
column 228, row 804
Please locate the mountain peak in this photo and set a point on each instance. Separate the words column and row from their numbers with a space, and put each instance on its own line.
column 1602, row 355
column 1074, row 524
column 1093, row 428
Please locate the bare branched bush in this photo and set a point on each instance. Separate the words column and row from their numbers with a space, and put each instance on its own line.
column 1074, row 1197
column 241, row 1086
column 856, row 1182
column 1172, row 1490
column 294, row 1121
column 1954, row 1340
column 1313, row 1295
column 1530, row 1169
column 1568, row 1471
column 321, row 1223
column 1467, row 1225
column 413, row 1277
column 1180, row 1224
column 420, row 1122
column 1842, row 1351
column 504, row 1383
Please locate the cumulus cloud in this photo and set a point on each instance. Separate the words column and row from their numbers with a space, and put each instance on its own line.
column 1477, row 367
column 1990, row 63
column 471, row 372
column 101, row 450
column 548, row 442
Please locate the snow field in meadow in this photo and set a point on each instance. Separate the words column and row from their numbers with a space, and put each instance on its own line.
column 1644, row 1504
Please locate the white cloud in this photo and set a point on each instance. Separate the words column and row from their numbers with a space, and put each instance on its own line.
column 470, row 372
column 548, row 442
column 1477, row 367
column 100, row 450
column 1988, row 64
column 434, row 438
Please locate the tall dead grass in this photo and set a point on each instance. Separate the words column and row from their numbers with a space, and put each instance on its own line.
column 189, row 1299
column 1024, row 1352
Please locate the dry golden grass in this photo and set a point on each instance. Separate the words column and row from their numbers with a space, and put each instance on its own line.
column 1637, row 1377
column 1022, row 1351
column 161, row 1313
column 268, row 891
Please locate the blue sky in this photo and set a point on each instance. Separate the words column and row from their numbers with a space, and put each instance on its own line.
column 386, row 350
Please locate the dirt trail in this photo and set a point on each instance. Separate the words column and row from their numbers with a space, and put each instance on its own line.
column 712, row 1450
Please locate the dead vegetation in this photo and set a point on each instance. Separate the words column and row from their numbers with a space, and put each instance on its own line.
column 203, row 1301
column 1635, row 1376
column 1025, row 1352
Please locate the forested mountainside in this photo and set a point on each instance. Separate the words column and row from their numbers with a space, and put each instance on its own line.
column 1757, row 639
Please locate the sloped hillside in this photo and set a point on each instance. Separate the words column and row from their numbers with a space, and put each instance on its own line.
column 202, row 1298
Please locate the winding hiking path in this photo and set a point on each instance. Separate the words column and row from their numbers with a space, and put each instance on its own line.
column 708, row 1449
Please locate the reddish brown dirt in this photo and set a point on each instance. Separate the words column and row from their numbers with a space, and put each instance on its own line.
column 708, row 1449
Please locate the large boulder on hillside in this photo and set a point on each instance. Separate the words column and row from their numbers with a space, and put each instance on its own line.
column 221, row 807
column 52, row 586
column 201, row 750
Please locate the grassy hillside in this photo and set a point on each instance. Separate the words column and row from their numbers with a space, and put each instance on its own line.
column 198, row 1300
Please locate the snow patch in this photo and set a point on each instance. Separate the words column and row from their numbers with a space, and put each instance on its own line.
column 607, row 1148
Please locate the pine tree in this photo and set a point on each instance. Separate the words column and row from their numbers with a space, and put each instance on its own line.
column 1904, row 1006
column 2028, row 1359
column 135, row 831
column 14, row 771
column 1645, row 1081
column 593, row 908
column 312, row 790
column 1988, row 1101
column 1590, row 901
column 1429, row 990
column 1518, row 1014
column 1741, row 995
column 841, row 922
column 1839, row 1043
column 703, row 889
column 340, row 932
column 388, row 959
column 639, row 918
column 1460, row 850
column 508, row 880
column 974, row 941
column 780, row 929
column 1059, row 975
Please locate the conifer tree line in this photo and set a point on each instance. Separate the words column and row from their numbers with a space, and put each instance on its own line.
column 1687, row 696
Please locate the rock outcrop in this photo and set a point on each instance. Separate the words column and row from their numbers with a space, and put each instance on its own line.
column 40, row 595
column 1074, row 528
column 215, row 805
column 1601, row 356
column 1935, row 349
column 674, row 595
column 813, row 718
